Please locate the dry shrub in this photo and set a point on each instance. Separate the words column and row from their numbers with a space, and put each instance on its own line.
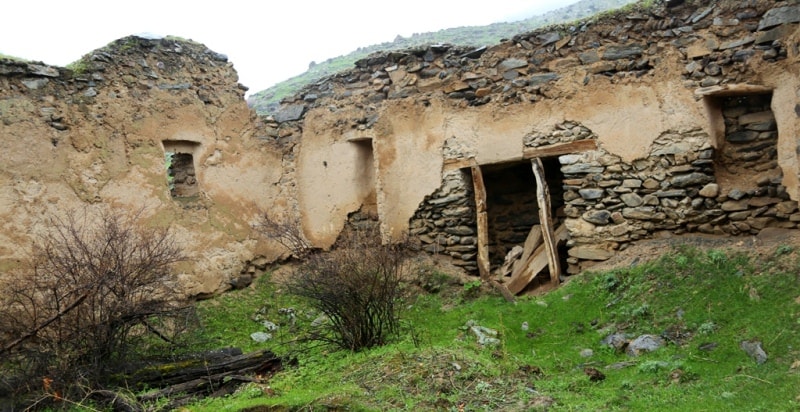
column 94, row 282
column 286, row 232
column 358, row 287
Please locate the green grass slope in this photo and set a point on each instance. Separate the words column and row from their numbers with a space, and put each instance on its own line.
column 702, row 303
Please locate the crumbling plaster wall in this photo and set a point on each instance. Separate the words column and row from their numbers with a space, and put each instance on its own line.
column 94, row 138
column 639, row 82
column 408, row 139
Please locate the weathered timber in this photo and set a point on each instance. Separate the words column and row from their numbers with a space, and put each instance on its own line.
column 559, row 149
column 176, row 372
column 536, row 262
column 204, row 376
column 546, row 220
column 483, row 222
column 532, row 242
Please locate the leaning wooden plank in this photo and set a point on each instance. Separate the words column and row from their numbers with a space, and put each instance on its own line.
column 533, row 241
column 546, row 220
column 535, row 264
column 483, row 222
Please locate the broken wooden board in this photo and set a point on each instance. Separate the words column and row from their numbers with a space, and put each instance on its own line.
column 535, row 263
column 533, row 241
column 546, row 220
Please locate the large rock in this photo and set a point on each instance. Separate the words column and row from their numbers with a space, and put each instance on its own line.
column 510, row 64
column 540, row 79
column 642, row 213
column 290, row 113
column 779, row 16
column 690, row 179
column 710, row 190
column 579, row 228
column 581, row 168
column 643, row 344
column 591, row 194
column 622, row 52
column 754, row 349
column 591, row 252
column 598, row 217
column 632, row 199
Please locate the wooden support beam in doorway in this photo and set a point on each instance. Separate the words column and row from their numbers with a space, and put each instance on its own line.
column 546, row 221
column 483, row 222
column 483, row 232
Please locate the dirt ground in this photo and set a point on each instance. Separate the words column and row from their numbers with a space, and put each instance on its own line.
column 646, row 250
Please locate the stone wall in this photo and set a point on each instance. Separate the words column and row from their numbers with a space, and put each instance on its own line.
column 733, row 171
column 445, row 221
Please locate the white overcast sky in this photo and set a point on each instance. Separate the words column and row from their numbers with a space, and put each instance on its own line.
column 267, row 41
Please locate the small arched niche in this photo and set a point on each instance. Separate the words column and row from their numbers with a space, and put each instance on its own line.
column 179, row 162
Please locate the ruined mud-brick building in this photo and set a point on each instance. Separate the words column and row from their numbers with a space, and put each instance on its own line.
column 157, row 125
column 641, row 123
column 569, row 143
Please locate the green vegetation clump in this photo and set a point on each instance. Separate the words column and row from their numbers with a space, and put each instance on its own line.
column 79, row 66
column 14, row 58
column 703, row 304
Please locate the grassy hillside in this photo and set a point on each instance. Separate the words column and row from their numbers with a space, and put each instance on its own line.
column 702, row 303
column 267, row 101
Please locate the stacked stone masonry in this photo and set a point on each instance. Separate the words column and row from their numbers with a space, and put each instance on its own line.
column 607, row 202
column 445, row 221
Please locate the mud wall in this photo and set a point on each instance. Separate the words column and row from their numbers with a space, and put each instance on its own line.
column 649, row 85
column 96, row 136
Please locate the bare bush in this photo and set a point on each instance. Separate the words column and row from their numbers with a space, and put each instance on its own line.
column 93, row 282
column 287, row 233
column 357, row 286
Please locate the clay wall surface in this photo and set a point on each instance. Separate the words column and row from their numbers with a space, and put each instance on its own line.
column 649, row 121
column 95, row 136
column 647, row 85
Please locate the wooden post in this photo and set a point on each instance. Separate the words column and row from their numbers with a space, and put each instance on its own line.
column 483, row 222
column 546, row 220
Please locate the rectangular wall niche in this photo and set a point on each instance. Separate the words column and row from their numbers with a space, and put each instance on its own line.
column 181, row 175
column 746, row 136
column 751, row 138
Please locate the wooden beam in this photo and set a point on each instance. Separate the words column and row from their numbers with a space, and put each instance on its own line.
column 532, row 243
column 483, row 222
column 559, row 149
column 546, row 220
column 453, row 164
column 533, row 265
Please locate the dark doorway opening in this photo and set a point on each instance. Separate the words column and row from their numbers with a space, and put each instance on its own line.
column 511, row 204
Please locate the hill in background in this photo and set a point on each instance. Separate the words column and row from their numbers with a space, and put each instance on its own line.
column 266, row 102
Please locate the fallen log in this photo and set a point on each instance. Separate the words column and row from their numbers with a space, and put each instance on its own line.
column 202, row 376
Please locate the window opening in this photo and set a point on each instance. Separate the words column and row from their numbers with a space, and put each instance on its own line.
column 181, row 173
